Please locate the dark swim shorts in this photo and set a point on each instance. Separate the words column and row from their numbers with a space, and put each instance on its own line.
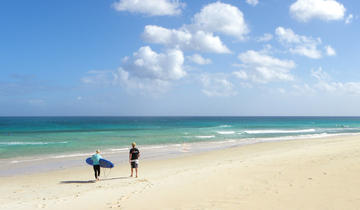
column 134, row 164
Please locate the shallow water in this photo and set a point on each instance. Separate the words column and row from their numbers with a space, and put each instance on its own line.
column 23, row 137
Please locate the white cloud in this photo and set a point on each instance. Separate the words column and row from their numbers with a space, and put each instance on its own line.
column 339, row 87
column 304, row 89
column 184, row 39
column 146, row 70
column 301, row 45
column 101, row 77
column 198, row 59
column 304, row 10
column 349, row 19
column 320, row 75
column 241, row 75
column 222, row 18
column 252, row 2
column 263, row 68
column 325, row 83
column 265, row 38
column 146, row 63
column 310, row 51
column 150, row 71
column 215, row 18
column 330, row 51
column 217, row 86
column 152, row 86
column 288, row 35
column 150, row 7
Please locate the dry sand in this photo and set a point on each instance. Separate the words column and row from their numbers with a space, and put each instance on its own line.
column 300, row 174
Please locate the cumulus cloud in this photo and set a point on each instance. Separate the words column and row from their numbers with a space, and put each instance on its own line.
column 184, row 39
column 330, row 51
column 150, row 7
column 221, row 18
column 252, row 2
column 265, row 38
column 146, row 63
column 215, row 18
column 305, row 10
column 198, row 59
column 262, row 68
column 301, row 45
column 145, row 70
column 217, row 86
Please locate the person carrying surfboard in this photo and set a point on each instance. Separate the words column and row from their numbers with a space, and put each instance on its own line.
column 96, row 164
column 134, row 159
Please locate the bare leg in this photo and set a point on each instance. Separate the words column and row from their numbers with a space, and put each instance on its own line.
column 136, row 171
column 131, row 172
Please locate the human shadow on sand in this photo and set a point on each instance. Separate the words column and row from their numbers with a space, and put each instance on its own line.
column 92, row 181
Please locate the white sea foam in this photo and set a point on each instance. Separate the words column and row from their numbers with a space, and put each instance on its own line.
column 306, row 136
column 27, row 160
column 71, row 155
column 225, row 132
column 119, row 149
column 149, row 147
column 155, row 147
column 224, row 142
column 52, row 157
column 205, row 137
column 225, row 126
column 31, row 143
column 279, row 131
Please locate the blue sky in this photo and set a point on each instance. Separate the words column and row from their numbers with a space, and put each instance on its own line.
column 164, row 57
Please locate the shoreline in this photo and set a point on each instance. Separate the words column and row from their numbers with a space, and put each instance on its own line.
column 302, row 174
column 45, row 163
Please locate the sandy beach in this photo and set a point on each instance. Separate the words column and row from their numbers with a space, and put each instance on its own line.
column 300, row 174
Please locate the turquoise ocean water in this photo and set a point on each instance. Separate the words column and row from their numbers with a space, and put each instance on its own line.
column 29, row 136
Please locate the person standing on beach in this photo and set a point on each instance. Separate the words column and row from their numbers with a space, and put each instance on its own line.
column 96, row 164
column 134, row 159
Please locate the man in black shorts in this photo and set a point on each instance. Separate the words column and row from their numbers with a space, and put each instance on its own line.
column 134, row 159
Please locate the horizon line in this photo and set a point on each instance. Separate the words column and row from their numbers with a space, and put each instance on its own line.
column 179, row 116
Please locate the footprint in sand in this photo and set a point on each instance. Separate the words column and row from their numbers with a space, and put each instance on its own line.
column 123, row 198
column 115, row 206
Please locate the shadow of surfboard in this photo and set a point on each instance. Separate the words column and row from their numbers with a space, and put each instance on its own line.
column 77, row 182
column 92, row 181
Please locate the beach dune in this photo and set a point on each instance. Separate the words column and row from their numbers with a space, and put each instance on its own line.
column 299, row 174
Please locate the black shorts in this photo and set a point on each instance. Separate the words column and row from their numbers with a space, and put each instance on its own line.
column 134, row 164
